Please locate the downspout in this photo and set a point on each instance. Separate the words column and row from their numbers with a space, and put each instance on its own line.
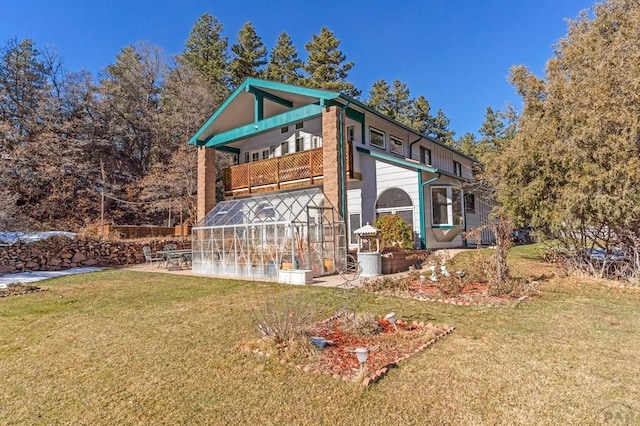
column 342, row 171
column 423, row 222
column 411, row 147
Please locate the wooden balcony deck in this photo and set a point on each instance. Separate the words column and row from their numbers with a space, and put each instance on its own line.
column 292, row 170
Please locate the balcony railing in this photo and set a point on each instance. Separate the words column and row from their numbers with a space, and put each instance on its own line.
column 291, row 170
column 299, row 169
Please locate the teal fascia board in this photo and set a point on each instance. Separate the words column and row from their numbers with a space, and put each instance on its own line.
column 399, row 161
column 296, row 90
column 194, row 139
column 229, row 149
column 266, row 95
column 256, row 84
column 277, row 121
column 355, row 115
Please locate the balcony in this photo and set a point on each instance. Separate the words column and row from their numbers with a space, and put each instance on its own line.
column 292, row 170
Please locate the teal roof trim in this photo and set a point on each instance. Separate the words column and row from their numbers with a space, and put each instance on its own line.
column 411, row 164
column 397, row 123
column 264, row 125
column 267, row 95
column 250, row 85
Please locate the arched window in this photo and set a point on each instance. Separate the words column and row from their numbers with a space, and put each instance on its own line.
column 395, row 201
column 392, row 198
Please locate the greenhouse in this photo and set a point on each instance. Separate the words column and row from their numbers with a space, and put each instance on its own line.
column 260, row 237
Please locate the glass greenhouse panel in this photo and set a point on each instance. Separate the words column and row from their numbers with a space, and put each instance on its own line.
column 259, row 236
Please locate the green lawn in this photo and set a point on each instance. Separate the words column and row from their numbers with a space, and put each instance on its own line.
column 121, row 347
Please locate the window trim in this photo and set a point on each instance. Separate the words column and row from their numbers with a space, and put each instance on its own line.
column 451, row 215
column 472, row 197
column 380, row 133
column 457, row 168
column 353, row 240
column 425, row 154
column 393, row 139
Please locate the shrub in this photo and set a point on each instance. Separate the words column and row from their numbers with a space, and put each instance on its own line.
column 362, row 325
column 395, row 231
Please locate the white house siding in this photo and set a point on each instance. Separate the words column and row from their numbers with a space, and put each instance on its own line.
column 275, row 137
column 443, row 158
column 389, row 176
column 478, row 219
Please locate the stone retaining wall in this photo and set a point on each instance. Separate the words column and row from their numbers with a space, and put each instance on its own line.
column 58, row 253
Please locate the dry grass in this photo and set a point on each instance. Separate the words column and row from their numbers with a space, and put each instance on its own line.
column 121, row 347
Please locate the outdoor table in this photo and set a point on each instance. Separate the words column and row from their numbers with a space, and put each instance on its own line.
column 176, row 258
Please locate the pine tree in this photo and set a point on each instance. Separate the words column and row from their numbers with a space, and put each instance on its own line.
column 438, row 128
column 249, row 55
column 23, row 87
column 284, row 65
column 468, row 145
column 325, row 65
column 392, row 102
column 206, row 51
column 418, row 116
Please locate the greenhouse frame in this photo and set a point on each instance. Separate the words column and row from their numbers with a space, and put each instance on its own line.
column 259, row 236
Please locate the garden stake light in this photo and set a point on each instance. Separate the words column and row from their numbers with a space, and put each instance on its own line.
column 391, row 317
column 362, row 354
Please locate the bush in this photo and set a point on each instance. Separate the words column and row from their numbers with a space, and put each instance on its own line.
column 395, row 231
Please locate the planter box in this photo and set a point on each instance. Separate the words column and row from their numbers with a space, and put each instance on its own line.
column 295, row 276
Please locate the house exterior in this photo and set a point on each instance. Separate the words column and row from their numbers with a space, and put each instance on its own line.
column 285, row 138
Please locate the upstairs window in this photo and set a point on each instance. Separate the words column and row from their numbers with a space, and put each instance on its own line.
column 299, row 125
column 425, row 155
column 397, row 146
column 284, row 129
column 457, row 168
column 377, row 138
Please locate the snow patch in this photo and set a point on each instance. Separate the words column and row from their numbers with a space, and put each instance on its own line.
column 30, row 237
column 30, row 277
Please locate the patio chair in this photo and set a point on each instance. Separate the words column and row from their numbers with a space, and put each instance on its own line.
column 172, row 261
column 151, row 258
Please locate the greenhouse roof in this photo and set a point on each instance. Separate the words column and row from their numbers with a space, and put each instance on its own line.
column 284, row 207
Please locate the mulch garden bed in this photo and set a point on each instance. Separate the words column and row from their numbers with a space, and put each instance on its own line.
column 467, row 294
column 387, row 348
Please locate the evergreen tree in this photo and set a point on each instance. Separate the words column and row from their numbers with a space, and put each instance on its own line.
column 23, row 88
column 206, row 51
column 395, row 102
column 249, row 55
column 284, row 65
column 573, row 166
column 418, row 116
column 468, row 145
column 392, row 102
column 438, row 128
column 325, row 65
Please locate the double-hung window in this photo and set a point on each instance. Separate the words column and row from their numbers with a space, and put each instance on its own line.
column 446, row 206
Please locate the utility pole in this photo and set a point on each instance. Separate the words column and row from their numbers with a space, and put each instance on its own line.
column 102, row 200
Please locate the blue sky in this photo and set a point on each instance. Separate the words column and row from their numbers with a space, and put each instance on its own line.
column 457, row 53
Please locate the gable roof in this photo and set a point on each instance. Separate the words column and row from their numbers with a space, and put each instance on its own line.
column 239, row 109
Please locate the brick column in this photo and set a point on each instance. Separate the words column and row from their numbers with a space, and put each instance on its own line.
column 206, row 181
column 331, row 157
